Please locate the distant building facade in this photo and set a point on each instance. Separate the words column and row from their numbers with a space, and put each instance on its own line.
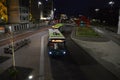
column 45, row 10
column 18, row 14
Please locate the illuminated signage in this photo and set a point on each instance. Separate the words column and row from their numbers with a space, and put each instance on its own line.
column 2, row 29
column 57, row 40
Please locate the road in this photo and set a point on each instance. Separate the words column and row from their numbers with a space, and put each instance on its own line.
column 77, row 65
column 28, row 56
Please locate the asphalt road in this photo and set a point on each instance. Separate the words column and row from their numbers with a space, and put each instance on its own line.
column 78, row 64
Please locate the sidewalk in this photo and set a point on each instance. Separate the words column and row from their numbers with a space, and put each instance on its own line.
column 5, row 36
column 109, row 34
column 106, row 52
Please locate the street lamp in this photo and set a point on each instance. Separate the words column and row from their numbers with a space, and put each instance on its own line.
column 97, row 9
column 54, row 9
column 111, row 3
column 39, row 3
column 54, row 12
column 41, row 13
column 97, row 16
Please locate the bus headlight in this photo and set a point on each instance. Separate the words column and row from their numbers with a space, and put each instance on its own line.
column 50, row 52
column 64, row 52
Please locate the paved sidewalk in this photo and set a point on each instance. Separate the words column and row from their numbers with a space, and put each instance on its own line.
column 106, row 53
column 6, row 36
column 108, row 34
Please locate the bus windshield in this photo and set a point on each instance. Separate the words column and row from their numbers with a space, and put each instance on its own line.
column 56, row 45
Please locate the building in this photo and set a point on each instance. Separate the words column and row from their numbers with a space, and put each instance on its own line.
column 43, row 10
column 18, row 14
column 48, row 9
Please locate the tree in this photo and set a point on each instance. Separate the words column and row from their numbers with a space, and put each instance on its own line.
column 3, row 11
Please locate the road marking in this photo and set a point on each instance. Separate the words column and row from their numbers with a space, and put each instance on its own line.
column 42, row 59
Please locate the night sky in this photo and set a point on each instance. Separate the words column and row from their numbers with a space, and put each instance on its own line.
column 76, row 7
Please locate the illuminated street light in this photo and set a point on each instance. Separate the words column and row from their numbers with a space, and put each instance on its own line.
column 41, row 13
column 54, row 9
column 39, row 3
column 97, row 10
column 30, row 77
column 111, row 3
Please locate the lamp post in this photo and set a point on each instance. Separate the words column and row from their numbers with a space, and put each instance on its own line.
column 96, row 11
column 41, row 13
column 111, row 3
column 39, row 3
column 54, row 12
column 52, row 9
column 12, row 44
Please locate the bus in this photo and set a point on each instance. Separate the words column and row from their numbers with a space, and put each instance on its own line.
column 56, row 43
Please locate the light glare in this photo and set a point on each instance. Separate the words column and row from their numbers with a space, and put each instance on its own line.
column 30, row 77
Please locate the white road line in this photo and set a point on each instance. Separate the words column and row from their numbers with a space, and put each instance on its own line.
column 42, row 59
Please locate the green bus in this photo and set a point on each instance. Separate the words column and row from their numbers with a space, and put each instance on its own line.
column 56, row 43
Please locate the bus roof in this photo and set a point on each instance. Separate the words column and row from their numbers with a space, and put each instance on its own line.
column 58, row 25
column 55, row 34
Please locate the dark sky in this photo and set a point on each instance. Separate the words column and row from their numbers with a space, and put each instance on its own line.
column 76, row 7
